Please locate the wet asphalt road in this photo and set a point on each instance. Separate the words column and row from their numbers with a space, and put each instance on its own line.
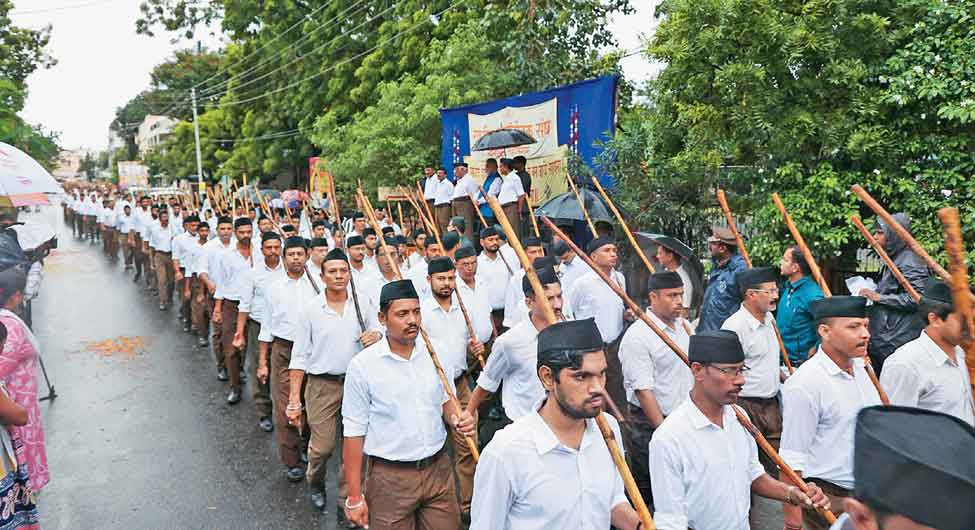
column 144, row 439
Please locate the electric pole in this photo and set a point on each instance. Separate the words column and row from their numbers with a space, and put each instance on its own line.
column 199, row 159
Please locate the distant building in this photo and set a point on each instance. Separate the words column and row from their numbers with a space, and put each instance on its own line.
column 69, row 163
column 153, row 131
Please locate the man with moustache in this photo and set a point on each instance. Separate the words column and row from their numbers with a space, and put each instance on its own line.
column 252, row 314
column 418, row 273
column 514, row 298
column 474, row 294
column 331, row 330
column 551, row 468
column 703, row 463
column 210, row 261
column 394, row 409
column 231, row 281
column 820, row 402
column 161, row 242
column 182, row 244
column 495, row 273
column 793, row 317
column 199, row 297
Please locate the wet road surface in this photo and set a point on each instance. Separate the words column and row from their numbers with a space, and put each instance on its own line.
column 140, row 435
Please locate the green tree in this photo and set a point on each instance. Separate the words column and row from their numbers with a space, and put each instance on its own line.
column 807, row 98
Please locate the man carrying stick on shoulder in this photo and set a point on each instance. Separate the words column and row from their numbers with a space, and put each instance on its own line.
column 820, row 402
column 394, row 409
column 703, row 463
column 329, row 334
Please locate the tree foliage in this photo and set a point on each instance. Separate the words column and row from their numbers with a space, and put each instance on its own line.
column 806, row 98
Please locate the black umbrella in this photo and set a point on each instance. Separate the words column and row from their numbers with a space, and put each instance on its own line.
column 671, row 243
column 566, row 206
column 501, row 139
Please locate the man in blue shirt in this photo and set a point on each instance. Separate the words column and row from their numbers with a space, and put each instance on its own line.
column 795, row 321
column 491, row 168
column 721, row 296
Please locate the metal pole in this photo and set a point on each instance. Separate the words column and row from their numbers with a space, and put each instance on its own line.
column 196, row 135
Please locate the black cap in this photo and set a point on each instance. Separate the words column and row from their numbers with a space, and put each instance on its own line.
column 354, row 240
column 664, row 280
column 397, row 290
column 500, row 231
column 388, row 230
column 441, row 264
column 368, row 231
column 916, row 463
column 465, row 251
column 488, row 232
column 295, row 241
column 288, row 228
column 191, row 219
column 574, row 335
column 336, row 254
column 716, row 346
column 358, row 215
column 450, row 240
column 532, row 242
column 317, row 223
column 598, row 243
column 937, row 292
column 546, row 275
column 752, row 278
column 839, row 306
column 318, row 242
column 267, row 236
column 225, row 220
column 399, row 240
column 241, row 221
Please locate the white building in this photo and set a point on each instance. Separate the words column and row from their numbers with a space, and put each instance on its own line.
column 153, row 131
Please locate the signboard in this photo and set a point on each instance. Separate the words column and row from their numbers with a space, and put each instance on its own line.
column 565, row 121
column 132, row 173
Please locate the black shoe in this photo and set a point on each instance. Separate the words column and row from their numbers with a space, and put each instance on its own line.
column 243, row 375
column 162, row 307
column 202, row 343
column 266, row 424
column 137, row 276
column 186, row 328
column 303, row 455
column 295, row 474
column 234, row 397
column 317, row 498
column 222, row 374
column 342, row 521
column 465, row 519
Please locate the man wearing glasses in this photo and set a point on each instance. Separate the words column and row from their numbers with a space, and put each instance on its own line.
column 703, row 464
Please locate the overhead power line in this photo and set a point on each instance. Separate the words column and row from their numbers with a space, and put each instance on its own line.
column 60, row 8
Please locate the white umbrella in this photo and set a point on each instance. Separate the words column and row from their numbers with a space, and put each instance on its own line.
column 23, row 181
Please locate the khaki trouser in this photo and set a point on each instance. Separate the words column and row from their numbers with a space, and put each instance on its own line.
column 323, row 405
column 514, row 216
column 442, row 213
column 463, row 458
column 126, row 248
column 836, row 496
column 289, row 441
column 216, row 337
column 184, row 294
column 138, row 255
column 261, row 392
column 151, row 278
column 766, row 415
column 199, row 308
column 164, row 276
column 231, row 355
column 406, row 498
column 463, row 207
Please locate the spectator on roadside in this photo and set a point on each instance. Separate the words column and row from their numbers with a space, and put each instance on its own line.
column 721, row 296
column 795, row 320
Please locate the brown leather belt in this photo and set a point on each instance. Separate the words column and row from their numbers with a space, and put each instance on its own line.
column 414, row 464
column 830, row 488
column 462, row 199
column 329, row 377
column 283, row 342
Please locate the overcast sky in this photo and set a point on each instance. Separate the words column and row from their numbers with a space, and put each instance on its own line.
column 102, row 63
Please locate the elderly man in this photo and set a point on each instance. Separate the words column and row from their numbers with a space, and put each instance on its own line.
column 721, row 296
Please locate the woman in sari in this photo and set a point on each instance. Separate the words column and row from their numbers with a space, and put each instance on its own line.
column 18, row 373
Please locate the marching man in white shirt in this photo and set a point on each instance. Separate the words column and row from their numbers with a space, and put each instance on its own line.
column 182, row 245
column 161, row 241
column 331, row 330
column 930, row 372
column 464, row 187
column 820, row 403
column 494, row 273
column 703, row 463
column 551, row 469
column 753, row 323
column 656, row 380
column 394, row 410
column 233, row 265
column 444, row 193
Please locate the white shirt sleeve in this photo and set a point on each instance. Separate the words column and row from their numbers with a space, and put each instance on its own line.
column 218, row 278
column 355, row 402
column 264, row 335
column 666, row 480
column 301, row 350
column 493, row 494
column 247, row 292
column 902, row 383
column 800, row 415
column 635, row 358
column 495, row 369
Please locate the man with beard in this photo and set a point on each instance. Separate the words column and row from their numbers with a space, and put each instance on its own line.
column 495, row 273
column 513, row 357
column 252, row 315
column 371, row 239
column 551, row 468
column 474, row 294
column 231, row 281
column 514, row 297
column 182, row 244
column 418, row 273
column 893, row 443
column 419, row 240
column 930, row 372
column 821, row 400
column 892, row 317
column 328, row 336
column 445, row 323
column 656, row 381
column 394, row 409
column 362, row 276
column 703, row 463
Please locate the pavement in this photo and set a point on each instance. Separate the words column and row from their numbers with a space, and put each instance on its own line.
column 140, row 435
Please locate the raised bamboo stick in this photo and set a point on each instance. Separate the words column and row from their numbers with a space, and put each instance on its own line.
column 626, row 228
column 759, row 438
column 582, row 206
column 744, row 254
column 484, row 223
column 961, row 294
column 531, row 213
column 454, row 403
column 609, row 437
column 879, row 250
column 868, row 365
column 900, row 231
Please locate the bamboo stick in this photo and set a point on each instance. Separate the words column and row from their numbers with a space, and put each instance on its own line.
column 900, row 231
column 426, row 208
column 582, row 206
column 744, row 254
column 531, row 213
column 855, row 219
column 626, row 228
column 399, row 212
column 454, row 403
column 960, row 291
column 484, row 223
column 822, row 284
column 759, row 438
column 607, row 432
